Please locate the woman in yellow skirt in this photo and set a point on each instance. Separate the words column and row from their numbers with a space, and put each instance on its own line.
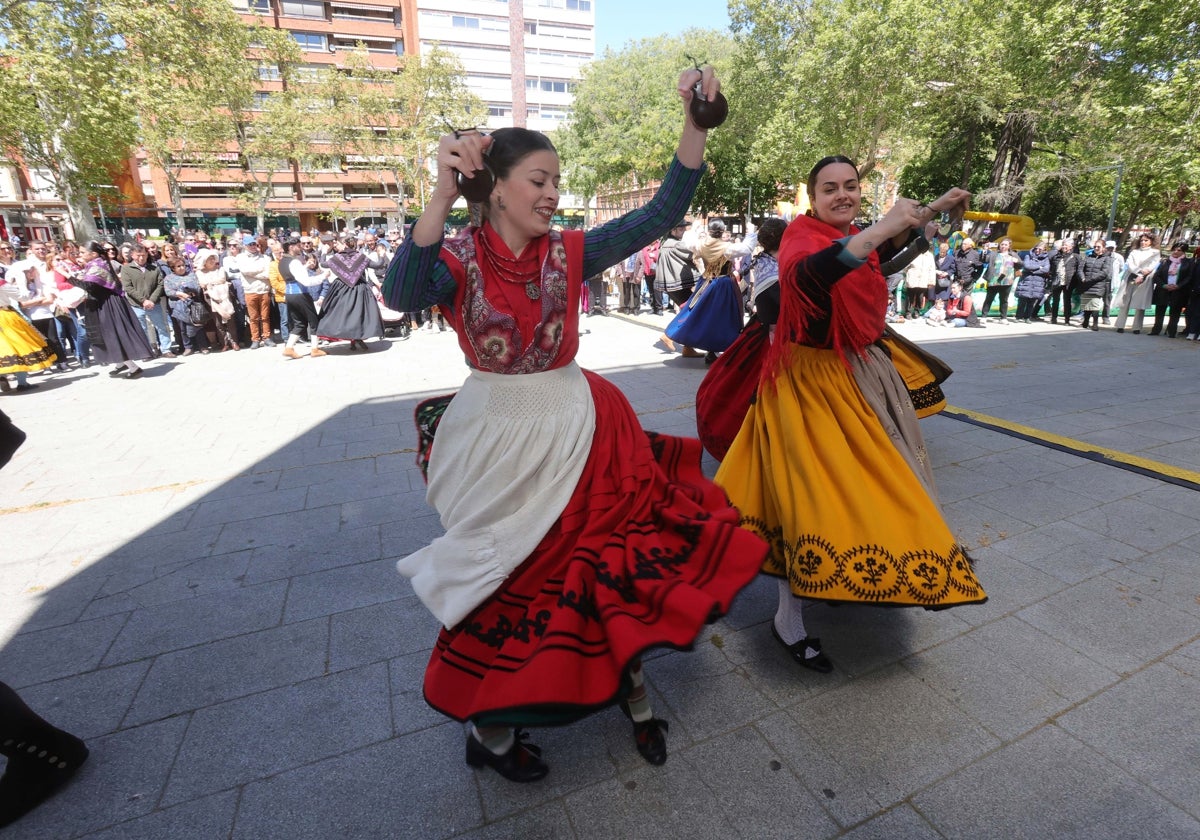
column 23, row 349
column 830, row 466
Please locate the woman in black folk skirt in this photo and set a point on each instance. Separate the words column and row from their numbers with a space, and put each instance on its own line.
column 350, row 310
column 117, row 337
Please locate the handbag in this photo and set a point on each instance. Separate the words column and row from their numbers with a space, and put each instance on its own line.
column 70, row 298
column 198, row 313
column 711, row 318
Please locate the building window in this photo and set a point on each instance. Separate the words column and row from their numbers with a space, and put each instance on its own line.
column 260, row 99
column 303, row 9
column 464, row 22
column 310, row 41
column 363, row 13
column 268, row 73
column 531, row 27
column 499, row 111
column 580, row 5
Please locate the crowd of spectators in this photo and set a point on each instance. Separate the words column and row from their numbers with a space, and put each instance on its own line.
column 192, row 293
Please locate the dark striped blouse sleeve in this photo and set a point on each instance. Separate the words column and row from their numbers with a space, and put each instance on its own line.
column 418, row 278
column 613, row 241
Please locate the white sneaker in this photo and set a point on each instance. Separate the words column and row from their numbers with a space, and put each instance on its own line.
column 1193, row 337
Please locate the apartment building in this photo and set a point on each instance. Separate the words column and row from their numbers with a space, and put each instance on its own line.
column 522, row 58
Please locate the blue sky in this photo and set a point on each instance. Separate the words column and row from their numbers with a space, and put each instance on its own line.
column 620, row 21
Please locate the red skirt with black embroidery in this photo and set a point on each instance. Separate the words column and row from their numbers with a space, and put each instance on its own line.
column 646, row 552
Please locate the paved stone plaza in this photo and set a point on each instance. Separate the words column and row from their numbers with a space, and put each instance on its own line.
column 197, row 576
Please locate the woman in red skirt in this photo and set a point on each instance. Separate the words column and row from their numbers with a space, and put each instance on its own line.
column 574, row 539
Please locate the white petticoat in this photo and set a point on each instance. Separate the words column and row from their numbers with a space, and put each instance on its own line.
column 507, row 458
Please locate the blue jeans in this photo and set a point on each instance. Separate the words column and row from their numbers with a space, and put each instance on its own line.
column 283, row 320
column 80, row 340
column 155, row 317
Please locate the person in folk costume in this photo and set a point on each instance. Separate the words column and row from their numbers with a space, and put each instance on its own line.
column 574, row 539
column 830, row 466
column 350, row 310
column 115, row 334
column 23, row 350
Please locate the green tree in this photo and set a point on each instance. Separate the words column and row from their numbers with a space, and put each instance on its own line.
column 62, row 103
column 390, row 120
column 626, row 118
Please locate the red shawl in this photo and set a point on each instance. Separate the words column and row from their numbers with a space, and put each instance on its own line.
column 857, row 305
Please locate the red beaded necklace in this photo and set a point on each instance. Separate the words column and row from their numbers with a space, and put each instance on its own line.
column 520, row 271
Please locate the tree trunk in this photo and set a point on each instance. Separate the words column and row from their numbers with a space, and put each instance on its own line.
column 80, row 212
column 1007, row 183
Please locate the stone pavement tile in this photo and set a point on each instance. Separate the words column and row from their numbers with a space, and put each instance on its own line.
column 380, row 632
column 88, row 705
column 706, row 692
column 1181, row 500
column 892, row 734
column 1169, row 576
column 978, row 442
column 252, row 484
column 1010, row 585
column 900, row 823
column 962, row 481
column 972, row 675
column 159, row 545
column 1081, row 422
column 1098, row 481
column 205, row 618
column 58, row 595
column 1019, row 465
column 860, row 639
column 217, row 573
column 666, row 803
column 1180, row 453
column 280, row 529
column 374, row 448
column 357, row 432
column 770, row 669
column 1122, row 439
column 753, row 788
column 1138, row 523
column 1051, row 662
column 401, row 538
column 254, row 737
column 210, row 818
column 1039, row 502
column 314, row 553
column 211, row 673
column 414, row 786
column 43, row 655
column 348, row 490
column 546, row 822
column 358, row 469
column 1149, row 726
column 240, row 508
column 395, row 507
column 301, row 456
column 1068, row 552
column 1162, row 429
column 1049, row 785
column 1109, row 622
column 344, row 588
column 410, row 712
column 122, row 779
column 978, row 524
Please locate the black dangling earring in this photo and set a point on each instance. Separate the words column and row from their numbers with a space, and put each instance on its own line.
column 500, row 202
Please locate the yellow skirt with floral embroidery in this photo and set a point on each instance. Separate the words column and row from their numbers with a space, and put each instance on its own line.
column 830, row 469
column 22, row 348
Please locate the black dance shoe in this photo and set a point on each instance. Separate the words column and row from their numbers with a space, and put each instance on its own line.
column 36, row 769
column 649, row 736
column 522, row 763
column 819, row 662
